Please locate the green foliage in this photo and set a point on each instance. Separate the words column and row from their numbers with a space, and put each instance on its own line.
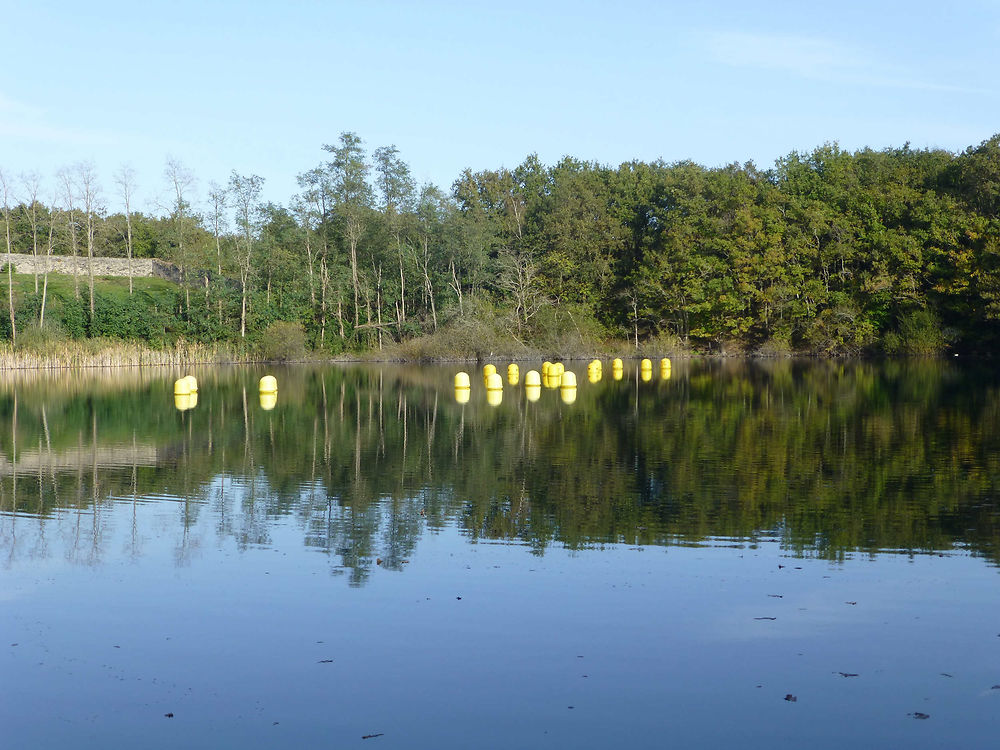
column 920, row 333
column 830, row 251
column 283, row 341
column 41, row 341
column 73, row 316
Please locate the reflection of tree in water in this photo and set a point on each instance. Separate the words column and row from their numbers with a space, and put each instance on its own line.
column 829, row 457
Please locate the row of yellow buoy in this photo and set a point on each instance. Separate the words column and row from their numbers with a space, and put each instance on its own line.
column 553, row 375
column 186, row 392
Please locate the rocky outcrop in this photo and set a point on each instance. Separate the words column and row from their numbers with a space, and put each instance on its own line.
column 29, row 264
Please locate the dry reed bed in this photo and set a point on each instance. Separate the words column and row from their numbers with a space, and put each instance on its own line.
column 73, row 355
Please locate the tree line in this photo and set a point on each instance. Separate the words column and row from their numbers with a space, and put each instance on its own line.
column 831, row 251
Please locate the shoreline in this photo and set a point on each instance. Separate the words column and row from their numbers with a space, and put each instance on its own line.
column 106, row 360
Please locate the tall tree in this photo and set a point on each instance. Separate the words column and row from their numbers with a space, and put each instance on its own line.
column 125, row 179
column 31, row 209
column 352, row 194
column 180, row 180
column 245, row 190
column 397, row 188
column 69, row 194
column 5, row 191
column 86, row 175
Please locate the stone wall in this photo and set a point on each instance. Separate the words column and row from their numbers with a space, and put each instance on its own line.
column 28, row 264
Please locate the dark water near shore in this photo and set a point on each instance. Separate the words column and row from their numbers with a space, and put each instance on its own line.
column 756, row 553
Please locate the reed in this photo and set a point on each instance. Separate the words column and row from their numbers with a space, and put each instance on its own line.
column 105, row 353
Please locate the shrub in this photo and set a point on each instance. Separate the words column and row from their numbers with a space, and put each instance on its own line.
column 920, row 333
column 283, row 341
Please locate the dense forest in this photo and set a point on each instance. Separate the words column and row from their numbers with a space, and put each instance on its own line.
column 829, row 252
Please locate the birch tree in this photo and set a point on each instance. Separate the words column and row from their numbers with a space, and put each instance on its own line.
column 397, row 189
column 245, row 190
column 30, row 208
column 181, row 180
column 125, row 179
column 353, row 199
column 5, row 192
column 89, row 191
column 69, row 193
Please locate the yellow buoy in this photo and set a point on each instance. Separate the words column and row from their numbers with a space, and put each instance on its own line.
column 533, row 392
column 665, row 363
column 462, row 380
column 617, row 373
column 182, row 387
column 646, row 364
column 546, row 367
column 532, row 378
column 192, row 382
column 568, row 395
column 595, row 364
column 513, row 374
column 268, row 384
column 552, row 381
column 488, row 370
column 182, row 401
column 462, row 395
column 617, row 364
column 557, row 369
column 494, row 382
column 567, row 380
column 647, row 375
column 494, row 396
column 268, row 400
column 593, row 376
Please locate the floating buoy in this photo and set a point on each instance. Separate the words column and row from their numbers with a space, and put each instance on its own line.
column 617, row 364
column 513, row 374
column 494, row 382
column 567, row 380
column 557, row 369
column 533, row 392
column 462, row 380
column 268, row 384
column 646, row 365
column 488, row 370
column 646, row 375
column 182, row 387
column 595, row 364
column 665, row 363
column 532, row 379
column 494, row 397
column 462, row 395
column 568, row 395
column 268, row 400
column 593, row 376
column 185, row 401
column 617, row 373
column 546, row 367
column 552, row 381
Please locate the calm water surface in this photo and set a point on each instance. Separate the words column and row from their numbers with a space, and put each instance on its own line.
column 777, row 554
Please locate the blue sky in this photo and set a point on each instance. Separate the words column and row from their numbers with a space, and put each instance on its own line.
column 259, row 86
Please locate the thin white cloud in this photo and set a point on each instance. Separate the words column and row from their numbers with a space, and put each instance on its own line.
column 816, row 58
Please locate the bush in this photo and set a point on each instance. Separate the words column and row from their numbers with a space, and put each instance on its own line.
column 283, row 341
column 47, row 340
column 920, row 333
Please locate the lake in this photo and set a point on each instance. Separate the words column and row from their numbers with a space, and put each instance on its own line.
column 746, row 553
